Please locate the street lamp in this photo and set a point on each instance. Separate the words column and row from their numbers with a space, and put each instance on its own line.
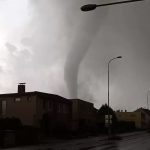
column 147, row 99
column 90, row 7
column 109, row 130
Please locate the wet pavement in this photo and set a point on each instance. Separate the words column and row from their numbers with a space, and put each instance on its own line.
column 132, row 141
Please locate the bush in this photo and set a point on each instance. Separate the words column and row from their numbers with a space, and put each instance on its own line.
column 10, row 124
column 125, row 126
column 27, row 135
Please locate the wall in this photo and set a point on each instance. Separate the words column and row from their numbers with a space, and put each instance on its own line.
column 145, row 117
column 130, row 116
column 54, row 111
column 22, row 107
column 83, row 114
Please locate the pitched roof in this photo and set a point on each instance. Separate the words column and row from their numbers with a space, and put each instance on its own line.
column 147, row 111
column 36, row 93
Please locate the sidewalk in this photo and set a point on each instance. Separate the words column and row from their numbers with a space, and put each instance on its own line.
column 52, row 142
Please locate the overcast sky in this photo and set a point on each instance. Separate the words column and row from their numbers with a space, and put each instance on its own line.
column 54, row 47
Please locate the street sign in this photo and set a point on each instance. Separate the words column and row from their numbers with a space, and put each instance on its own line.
column 107, row 123
column 110, row 121
column 106, row 117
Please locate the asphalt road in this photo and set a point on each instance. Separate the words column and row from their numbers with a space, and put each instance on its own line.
column 132, row 141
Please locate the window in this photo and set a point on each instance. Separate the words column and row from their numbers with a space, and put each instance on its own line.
column 17, row 99
column 50, row 105
column 59, row 107
column 44, row 104
column 65, row 108
column 4, row 107
column 143, row 116
column 29, row 99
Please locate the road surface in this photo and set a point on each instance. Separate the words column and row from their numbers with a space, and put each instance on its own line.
column 132, row 141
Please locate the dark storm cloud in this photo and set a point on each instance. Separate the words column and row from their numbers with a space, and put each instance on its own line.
column 133, row 27
column 61, row 42
column 61, row 36
column 126, row 32
column 87, row 29
column 62, row 30
column 80, row 30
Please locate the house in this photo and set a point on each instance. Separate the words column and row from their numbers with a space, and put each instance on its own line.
column 46, row 110
column 140, row 117
column 84, row 115
column 133, row 117
column 145, row 117
column 32, row 108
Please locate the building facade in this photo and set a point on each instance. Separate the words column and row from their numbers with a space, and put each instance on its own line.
column 140, row 117
column 134, row 117
column 47, row 110
column 84, row 115
column 35, row 108
column 145, row 117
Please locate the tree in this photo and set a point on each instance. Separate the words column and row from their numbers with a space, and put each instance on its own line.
column 104, row 111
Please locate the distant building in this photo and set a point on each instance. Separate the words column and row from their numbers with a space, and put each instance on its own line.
column 145, row 117
column 140, row 117
column 134, row 117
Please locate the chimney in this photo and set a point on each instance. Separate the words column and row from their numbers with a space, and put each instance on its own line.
column 21, row 88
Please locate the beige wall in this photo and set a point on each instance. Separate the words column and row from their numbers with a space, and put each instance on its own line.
column 24, row 109
column 145, row 118
column 130, row 116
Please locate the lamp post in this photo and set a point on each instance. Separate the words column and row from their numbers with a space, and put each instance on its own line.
column 147, row 99
column 109, row 130
column 90, row 7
